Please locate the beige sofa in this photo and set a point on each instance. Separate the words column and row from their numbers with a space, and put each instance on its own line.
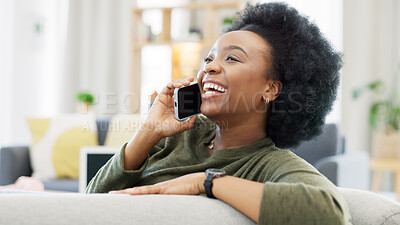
column 366, row 208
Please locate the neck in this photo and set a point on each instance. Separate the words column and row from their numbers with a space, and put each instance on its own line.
column 231, row 134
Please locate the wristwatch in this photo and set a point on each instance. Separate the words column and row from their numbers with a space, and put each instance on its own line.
column 211, row 174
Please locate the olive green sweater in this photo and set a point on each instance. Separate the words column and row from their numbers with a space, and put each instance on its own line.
column 294, row 191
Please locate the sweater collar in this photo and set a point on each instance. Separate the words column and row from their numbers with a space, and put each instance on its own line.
column 262, row 144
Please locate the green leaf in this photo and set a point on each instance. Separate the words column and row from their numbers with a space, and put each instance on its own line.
column 396, row 113
column 375, row 85
column 386, row 111
column 357, row 93
column 228, row 20
column 374, row 114
column 85, row 97
column 397, row 110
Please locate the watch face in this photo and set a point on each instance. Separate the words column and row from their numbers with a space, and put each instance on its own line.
column 215, row 171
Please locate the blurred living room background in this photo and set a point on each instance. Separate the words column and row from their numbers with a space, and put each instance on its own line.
column 111, row 57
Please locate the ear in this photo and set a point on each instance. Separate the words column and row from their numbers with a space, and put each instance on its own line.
column 272, row 90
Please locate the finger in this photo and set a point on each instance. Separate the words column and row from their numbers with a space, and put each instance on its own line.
column 187, row 81
column 125, row 191
column 144, row 190
column 174, row 85
column 170, row 87
column 190, row 78
column 177, row 84
column 190, row 122
column 187, row 125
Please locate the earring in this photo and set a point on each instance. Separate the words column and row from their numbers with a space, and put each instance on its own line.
column 266, row 101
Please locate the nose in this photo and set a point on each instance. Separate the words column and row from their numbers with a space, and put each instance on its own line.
column 212, row 68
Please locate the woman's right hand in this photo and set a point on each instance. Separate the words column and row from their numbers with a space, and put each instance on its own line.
column 160, row 123
column 161, row 118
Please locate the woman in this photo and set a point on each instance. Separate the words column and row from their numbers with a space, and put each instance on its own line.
column 256, row 84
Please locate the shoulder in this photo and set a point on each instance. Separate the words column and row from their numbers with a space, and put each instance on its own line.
column 277, row 162
column 290, row 161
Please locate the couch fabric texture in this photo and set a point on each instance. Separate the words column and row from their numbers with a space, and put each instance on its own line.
column 366, row 208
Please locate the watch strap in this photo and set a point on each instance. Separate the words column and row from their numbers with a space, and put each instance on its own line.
column 208, row 185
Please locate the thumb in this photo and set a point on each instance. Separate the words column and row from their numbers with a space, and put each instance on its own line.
column 189, row 123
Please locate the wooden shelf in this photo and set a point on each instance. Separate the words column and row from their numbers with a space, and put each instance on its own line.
column 378, row 165
column 182, row 60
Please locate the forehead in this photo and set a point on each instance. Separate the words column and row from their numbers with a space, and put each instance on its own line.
column 247, row 40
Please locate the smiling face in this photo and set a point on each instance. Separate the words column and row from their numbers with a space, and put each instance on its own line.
column 233, row 79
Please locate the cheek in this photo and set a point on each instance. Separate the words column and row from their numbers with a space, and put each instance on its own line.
column 200, row 75
column 250, row 87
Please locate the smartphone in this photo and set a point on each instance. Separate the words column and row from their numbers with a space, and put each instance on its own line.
column 187, row 101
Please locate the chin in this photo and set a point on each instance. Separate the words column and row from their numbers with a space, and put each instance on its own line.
column 210, row 110
column 208, row 113
column 214, row 114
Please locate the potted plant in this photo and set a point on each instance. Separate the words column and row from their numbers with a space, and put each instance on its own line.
column 86, row 100
column 384, row 119
column 227, row 22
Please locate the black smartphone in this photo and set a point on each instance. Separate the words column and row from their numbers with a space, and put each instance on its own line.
column 187, row 101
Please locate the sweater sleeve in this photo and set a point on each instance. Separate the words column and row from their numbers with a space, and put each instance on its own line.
column 302, row 196
column 112, row 175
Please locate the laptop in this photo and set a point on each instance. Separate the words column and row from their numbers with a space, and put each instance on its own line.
column 91, row 159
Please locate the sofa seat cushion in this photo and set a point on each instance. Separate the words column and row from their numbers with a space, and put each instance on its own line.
column 69, row 185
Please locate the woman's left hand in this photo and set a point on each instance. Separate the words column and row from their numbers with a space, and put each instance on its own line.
column 191, row 184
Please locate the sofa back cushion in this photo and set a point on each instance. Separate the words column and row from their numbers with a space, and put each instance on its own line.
column 54, row 152
column 329, row 143
column 121, row 129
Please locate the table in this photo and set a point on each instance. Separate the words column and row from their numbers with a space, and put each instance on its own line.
column 378, row 165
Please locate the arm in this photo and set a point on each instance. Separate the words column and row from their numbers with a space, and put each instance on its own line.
column 280, row 203
column 122, row 170
column 269, row 203
column 244, row 195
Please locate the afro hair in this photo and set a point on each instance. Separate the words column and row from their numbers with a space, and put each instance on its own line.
column 306, row 64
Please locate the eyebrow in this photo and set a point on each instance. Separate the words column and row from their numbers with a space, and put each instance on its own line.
column 232, row 47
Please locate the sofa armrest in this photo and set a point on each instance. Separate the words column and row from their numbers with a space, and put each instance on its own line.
column 370, row 208
column 366, row 208
column 14, row 162
column 117, row 209
column 349, row 170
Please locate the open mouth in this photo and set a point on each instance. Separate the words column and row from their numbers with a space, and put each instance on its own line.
column 210, row 88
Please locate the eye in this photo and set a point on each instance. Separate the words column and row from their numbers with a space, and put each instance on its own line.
column 231, row 58
column 207, row 59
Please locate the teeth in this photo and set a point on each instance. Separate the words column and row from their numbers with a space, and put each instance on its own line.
column 210, row 92
column 210, row 86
